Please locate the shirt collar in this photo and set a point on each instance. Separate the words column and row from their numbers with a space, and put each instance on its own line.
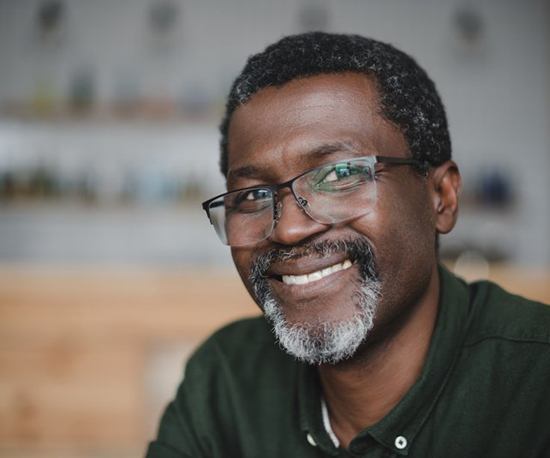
column 406, row 419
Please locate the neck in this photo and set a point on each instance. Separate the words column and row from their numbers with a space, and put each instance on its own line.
column 361, row 391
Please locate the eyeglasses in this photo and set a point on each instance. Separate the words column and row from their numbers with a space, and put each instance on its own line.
column 329, row 194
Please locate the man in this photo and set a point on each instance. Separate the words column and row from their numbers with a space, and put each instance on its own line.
column 338, row 165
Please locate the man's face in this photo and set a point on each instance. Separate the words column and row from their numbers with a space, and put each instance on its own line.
column 278, row 134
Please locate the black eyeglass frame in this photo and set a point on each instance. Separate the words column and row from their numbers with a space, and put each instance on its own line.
column 421, row 166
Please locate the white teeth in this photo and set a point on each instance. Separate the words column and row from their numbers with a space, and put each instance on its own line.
column 317, row 275
column 326, row 272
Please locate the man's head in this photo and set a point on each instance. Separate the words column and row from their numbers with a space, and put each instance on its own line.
column 336, row 241
column 407, row 96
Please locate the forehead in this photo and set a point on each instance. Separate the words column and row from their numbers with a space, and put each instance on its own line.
column 283, row 130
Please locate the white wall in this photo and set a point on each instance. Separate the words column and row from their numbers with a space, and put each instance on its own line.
column 497, row 95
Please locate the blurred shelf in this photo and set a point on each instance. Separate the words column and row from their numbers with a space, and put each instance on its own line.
column 139, row 235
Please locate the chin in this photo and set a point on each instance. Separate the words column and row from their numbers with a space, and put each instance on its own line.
column 325, row 341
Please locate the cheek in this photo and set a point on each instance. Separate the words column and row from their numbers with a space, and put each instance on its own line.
column 242, row 262
column 242, row 259
column 401, row 229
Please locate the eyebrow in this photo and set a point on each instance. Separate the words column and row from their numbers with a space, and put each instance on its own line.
column 325, row 149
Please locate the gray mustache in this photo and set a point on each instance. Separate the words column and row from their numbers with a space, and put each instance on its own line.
column 357, row 250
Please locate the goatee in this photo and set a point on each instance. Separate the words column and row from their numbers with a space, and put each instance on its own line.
column 326, row 342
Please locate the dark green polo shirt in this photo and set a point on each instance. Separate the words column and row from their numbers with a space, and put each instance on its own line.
column 484, row 391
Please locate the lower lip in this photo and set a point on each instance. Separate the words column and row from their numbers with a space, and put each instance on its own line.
column 325, row 285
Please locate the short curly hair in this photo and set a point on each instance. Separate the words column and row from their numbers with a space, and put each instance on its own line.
column 408, row 97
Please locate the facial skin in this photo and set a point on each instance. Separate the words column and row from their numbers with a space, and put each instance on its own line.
column 281, row 132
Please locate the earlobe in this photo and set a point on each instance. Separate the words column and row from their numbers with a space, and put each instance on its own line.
column 446, row 187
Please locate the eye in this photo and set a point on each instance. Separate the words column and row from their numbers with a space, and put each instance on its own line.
column 252, row 200
column 342, row 176
column 340, row 172
column 256, row 194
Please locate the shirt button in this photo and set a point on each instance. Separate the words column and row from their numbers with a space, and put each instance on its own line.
column 311, row 440
column 400, row 442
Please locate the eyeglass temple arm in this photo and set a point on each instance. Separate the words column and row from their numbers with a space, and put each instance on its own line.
column 421, row 166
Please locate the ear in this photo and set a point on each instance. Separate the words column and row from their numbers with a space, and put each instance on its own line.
column 446, row 183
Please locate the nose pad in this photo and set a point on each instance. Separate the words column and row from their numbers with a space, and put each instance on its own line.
column 277, row 211
column 294, row 223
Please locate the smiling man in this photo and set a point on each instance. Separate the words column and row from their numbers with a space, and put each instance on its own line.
column 339, row 175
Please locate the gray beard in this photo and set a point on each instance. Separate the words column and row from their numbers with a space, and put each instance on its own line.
column 321, row 342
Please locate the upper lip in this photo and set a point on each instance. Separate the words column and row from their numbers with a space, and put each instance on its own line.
column 304, row 265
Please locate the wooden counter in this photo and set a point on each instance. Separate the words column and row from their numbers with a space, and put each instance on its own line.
column 88, row 357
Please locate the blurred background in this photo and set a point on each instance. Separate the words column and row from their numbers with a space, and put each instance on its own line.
column 110, row 274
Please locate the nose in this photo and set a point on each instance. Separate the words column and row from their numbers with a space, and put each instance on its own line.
column 293, row 224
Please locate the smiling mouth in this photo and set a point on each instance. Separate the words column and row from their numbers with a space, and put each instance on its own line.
column 317, row 275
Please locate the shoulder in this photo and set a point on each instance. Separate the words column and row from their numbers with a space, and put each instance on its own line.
column 238, row 350
column 255, row 328
column 226, row 381
column 238, row 337
column 499, row 379
column 500, row 315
